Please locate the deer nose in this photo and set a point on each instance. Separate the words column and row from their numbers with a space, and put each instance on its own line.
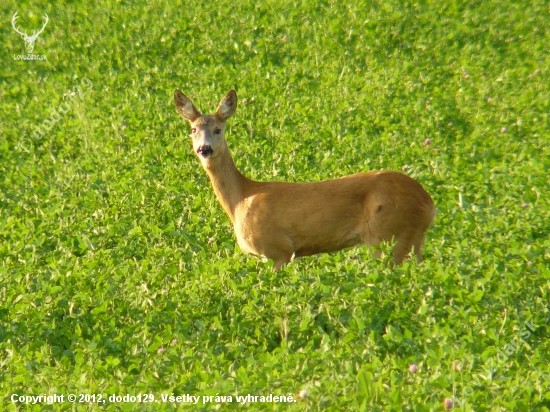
column 205, row 150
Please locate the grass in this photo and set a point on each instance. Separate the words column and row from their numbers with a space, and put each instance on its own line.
column 119, row 272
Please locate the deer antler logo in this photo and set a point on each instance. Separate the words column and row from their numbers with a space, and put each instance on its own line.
column 29, row 40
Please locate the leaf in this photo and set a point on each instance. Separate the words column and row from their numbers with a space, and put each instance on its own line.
column 19, row 379
column 348, row 337
column 100, row 309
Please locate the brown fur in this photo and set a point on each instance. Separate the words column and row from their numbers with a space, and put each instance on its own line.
column 281, row 220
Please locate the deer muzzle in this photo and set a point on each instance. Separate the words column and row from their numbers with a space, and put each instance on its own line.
column 205, row 151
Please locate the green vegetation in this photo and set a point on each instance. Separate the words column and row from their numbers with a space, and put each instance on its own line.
column 119, row 272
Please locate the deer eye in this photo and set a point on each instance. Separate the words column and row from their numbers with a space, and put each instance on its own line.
column 193, row 130
column 217, row 131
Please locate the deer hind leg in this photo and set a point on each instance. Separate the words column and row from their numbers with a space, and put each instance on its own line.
column 418, row 248
column 370, row 242
column 376, row 253
column 279, row 264
column 402, row 249
column 385, row 225
column 405, row 244
column 372, row 235
column 280, row 251
column 281, row 258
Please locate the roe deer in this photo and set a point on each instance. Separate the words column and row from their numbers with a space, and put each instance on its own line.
column 280, row 220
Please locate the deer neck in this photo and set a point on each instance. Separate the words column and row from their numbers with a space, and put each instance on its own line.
column 227, row 181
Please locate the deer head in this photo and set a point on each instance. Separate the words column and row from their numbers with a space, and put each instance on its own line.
column 29, row 40
column 207, row 131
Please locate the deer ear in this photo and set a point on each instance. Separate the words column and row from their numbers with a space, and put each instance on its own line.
column 186, row 107
column 227, row 106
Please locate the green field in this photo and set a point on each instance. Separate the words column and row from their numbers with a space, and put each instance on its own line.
column 119, row 271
